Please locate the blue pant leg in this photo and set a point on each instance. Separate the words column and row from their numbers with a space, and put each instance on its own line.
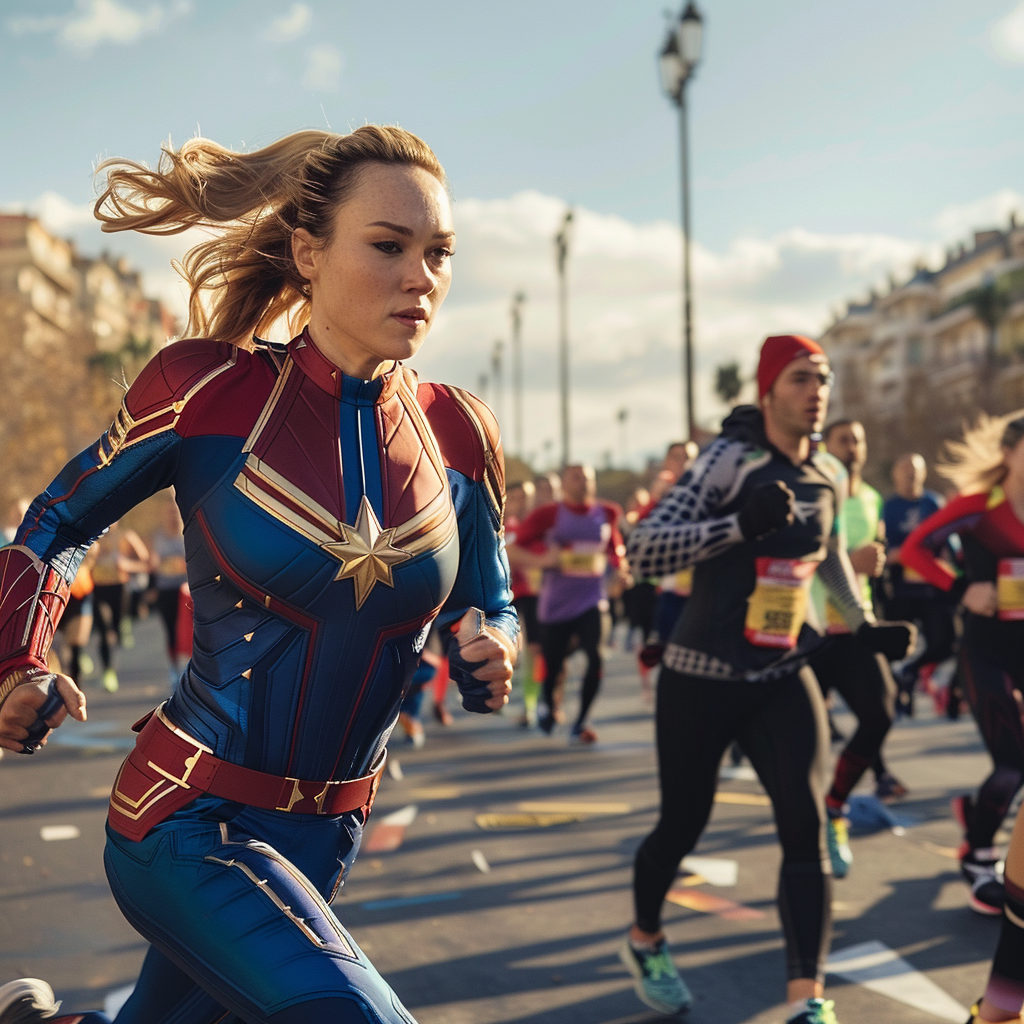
column 222, row 902
column 164, row 994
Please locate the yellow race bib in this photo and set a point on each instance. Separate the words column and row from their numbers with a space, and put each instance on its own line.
column 1011, row 588
column 834, row 621
column 777, row 608
column 582, row 561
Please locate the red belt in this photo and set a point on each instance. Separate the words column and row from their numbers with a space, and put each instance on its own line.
column 168, row 769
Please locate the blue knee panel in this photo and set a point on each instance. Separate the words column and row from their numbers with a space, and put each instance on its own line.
column 237, row 898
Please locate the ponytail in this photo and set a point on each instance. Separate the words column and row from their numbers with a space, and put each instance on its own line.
column 975, row 464
column 244, row 279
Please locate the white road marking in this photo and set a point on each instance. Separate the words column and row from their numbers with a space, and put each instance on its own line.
column 480, row 861
column 875, row 966
column 716, row 871
column 741, row 772
column 395, row 769
column 406, row 816
column 116, row 999
column 51, row 833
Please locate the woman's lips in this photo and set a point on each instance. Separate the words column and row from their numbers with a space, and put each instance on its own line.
column 410, row 318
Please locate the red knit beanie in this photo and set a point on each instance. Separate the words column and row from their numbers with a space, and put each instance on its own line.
column 777, row 353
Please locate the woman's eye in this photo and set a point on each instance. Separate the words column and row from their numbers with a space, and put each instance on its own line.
column 443, row 253
column 388, row 247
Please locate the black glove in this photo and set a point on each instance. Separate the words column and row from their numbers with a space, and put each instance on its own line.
column 769, row 508
column 38, row 729
column 894, row 640
column 475, row 692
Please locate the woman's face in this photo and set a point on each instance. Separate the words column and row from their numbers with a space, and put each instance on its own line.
column 1014, row 461
column 377, row 286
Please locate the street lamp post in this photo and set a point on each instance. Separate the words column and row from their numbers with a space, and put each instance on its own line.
column 679, row 58
column 517, row 368
column 622, row 416
column 498, row 379
column 562, row 240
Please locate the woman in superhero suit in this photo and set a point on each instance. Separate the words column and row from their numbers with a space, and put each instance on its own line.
column 334, row 508
column 988, row 516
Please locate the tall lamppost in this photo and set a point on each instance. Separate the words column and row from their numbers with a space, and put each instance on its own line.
column 498, row 379
column 679, row 58
column 562, row 240
column 622, row 416
column 517, row 368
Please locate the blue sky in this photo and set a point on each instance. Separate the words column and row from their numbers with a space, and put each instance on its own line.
column 831, row 143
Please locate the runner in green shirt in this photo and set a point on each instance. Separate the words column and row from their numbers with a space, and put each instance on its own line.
column 864, row 680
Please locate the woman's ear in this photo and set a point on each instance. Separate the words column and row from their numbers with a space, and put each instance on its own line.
column 304, row 252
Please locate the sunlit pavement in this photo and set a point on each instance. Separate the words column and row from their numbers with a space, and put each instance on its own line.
column 520, row 920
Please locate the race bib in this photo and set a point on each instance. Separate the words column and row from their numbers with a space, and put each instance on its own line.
column 1011, row 588
column 777, row 608
column 681, row 583
column 582, row 560
column 834, row 621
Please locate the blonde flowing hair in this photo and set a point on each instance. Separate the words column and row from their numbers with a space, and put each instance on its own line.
column 244, row 279
column 975, row 464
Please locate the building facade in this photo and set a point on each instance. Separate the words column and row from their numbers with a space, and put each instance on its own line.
column 916, row 364
column 69, row 328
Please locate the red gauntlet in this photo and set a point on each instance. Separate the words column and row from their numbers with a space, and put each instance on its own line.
column 32, row 600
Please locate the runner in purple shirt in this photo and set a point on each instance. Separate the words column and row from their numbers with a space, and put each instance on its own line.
column 583, row 545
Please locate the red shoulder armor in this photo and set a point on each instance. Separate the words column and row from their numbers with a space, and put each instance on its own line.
column 32, row 599
column 164, row 395
column 467, row 434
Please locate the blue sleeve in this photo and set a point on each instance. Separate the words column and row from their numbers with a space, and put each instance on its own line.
column 483, row 580
column 92, row 491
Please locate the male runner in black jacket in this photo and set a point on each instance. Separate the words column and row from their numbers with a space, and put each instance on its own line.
column 756, row 516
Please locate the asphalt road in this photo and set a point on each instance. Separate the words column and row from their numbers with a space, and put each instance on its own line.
column 533, row 938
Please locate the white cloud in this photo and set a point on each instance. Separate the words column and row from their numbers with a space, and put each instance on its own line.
column 323, row 69
column 291, row 25
column 624, row 282
column 1007, row 35
column 956, row 223
column 100, row 21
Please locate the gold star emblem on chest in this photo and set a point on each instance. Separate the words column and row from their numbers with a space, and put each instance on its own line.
column 366, row 553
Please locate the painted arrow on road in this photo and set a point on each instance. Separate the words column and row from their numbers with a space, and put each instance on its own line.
column 875, row 966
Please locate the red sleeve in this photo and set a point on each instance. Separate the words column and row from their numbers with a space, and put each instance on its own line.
column 536, row 525
column 920, row 549
column 616, row 545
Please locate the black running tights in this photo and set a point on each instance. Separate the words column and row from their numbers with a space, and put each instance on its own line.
column 990, row 676
column 782, row 728
column 865, row 682
column 555, row 640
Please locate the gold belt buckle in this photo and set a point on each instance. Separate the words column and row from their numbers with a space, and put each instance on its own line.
column 190, row 762
column 297, row 795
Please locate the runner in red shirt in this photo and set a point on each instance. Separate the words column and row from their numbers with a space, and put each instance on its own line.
column 988, row 516
column 582, row 544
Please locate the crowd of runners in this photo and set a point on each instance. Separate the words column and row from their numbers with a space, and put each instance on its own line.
column 334, row 575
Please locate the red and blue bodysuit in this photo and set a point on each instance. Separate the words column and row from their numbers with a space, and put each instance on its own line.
column 992, row 647
column 329, row 521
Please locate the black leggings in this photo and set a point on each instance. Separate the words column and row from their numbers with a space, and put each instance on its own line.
column 865, row 682
column 167, row 605
column 991, row 673
column 109, row 603
column 555, row 640
column 782, row 728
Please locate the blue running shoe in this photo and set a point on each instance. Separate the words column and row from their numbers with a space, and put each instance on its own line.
column 815, row 1011
column 655, row 978
column 839, row 852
